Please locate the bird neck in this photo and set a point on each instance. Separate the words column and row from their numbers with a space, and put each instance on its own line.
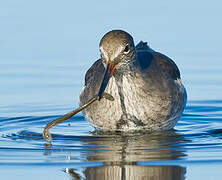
column 125, row 69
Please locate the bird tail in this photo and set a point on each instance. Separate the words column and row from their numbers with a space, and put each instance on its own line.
column 142, row 46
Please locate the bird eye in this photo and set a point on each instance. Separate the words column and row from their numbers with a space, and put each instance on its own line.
column 127, row 48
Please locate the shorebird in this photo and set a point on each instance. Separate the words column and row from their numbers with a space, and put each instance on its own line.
column 145, row 84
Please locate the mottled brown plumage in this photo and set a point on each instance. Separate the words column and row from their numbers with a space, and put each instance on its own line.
column 145, row 84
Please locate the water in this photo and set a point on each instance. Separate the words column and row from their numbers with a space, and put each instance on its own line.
column 45, row 49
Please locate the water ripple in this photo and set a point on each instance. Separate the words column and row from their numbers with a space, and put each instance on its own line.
column 196, row 134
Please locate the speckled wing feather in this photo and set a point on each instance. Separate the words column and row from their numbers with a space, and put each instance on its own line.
column 166, row 64
column 94, row 71
column 93, row 80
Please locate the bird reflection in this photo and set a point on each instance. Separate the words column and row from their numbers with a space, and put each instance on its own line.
column 121, row 153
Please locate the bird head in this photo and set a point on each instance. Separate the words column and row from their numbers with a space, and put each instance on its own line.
column 117, row 49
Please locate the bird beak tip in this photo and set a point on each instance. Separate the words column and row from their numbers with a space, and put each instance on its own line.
column 110, row 68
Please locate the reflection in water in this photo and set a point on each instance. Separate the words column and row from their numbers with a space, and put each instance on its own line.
column 120, row 154
column 132, row 172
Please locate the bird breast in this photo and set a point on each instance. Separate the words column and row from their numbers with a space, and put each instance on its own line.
column 135, row 102
column 138, row 104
